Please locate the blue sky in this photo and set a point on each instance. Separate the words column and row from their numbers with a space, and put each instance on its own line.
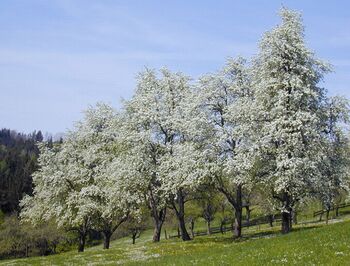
column 59, row 56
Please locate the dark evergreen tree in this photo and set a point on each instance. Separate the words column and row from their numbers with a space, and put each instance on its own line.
column 18, row 160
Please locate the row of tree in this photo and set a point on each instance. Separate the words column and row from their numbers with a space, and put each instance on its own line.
column 259, row 126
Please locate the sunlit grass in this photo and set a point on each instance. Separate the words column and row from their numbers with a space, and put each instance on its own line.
column 311, row 244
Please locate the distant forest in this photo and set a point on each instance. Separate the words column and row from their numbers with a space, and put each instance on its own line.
column 18, row 160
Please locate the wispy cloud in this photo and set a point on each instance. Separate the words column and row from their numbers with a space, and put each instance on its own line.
column 62, row 55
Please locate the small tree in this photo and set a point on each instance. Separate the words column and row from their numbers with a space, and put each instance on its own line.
column 208, row 203
column 57, row 194
column 225, row 213
column 136, row 225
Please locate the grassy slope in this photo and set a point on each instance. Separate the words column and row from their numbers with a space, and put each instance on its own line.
column 308, row 245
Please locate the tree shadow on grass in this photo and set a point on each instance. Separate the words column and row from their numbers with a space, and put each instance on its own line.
column 344, row 212
column 228, row 239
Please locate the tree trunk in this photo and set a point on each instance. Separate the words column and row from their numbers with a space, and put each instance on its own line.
column 109, row 228
column 295, row 217
column 83, row 231
column 286, row 214
column 165, row 234
column 184, row 234
column 321, row 215
column 134, row 238
column 157, row 215
column 238, row 212
column 285, row 222
column 236, row 203
column 222, row 224
column 157, row 231
column 192, row 227
column 233, row 226
column 248, row 211
column 238, row 222
column 158, row 219
column 82, row 238
column 337, row 212
column 180, row 213
column 291, row 220
column 107, row 238
column 270, row 216
column 327, row 216
column 208, row 228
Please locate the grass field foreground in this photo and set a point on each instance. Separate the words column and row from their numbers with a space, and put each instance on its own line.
column 307, row 245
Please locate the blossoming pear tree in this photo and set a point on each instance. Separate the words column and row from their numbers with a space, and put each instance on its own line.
column 141, row 162
column 289, row 104
column 75, row 185
column 162, row 151
column 224, row 100
column 335, row 166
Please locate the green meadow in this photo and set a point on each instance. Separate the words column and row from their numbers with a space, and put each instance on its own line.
column 308, row 244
